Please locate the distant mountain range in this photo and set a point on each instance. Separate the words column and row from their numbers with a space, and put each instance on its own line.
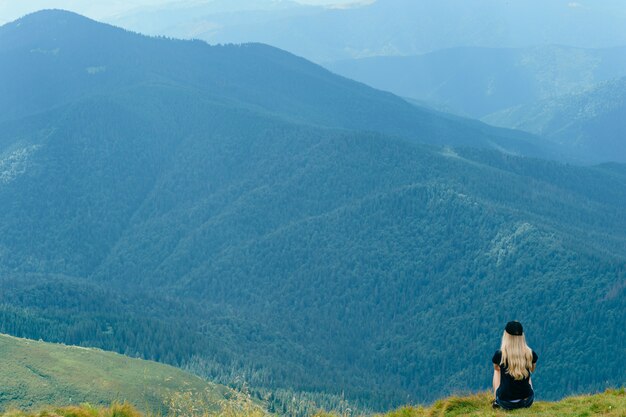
column 591, row 123
column 246, row 214
column 386, row 27
column 476, row 82
column 252, row 76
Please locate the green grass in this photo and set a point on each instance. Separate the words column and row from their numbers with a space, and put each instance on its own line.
column 86, row 410
column 610, row 404
column 34, row 374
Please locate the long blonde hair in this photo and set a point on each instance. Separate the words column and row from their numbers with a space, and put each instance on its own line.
column 516, row 355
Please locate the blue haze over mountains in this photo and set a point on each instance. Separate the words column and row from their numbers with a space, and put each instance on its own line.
column 471, row 58
column 238, row 210
column 388, row 27
column 591, row 121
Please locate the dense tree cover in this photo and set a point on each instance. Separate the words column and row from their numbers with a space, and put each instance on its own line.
column 352, row 267
column 61, row 56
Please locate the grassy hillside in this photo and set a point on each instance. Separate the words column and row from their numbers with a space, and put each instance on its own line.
column 34, row 374
column 609, row 404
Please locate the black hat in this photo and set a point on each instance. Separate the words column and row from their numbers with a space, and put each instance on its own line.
column 514, row 328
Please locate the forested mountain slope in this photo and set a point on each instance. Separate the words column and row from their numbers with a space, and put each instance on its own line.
column 591, row 123
column 62, row 57
column 263, row 233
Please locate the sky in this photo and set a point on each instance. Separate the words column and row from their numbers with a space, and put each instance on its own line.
column 101, row 9
column 389, row 27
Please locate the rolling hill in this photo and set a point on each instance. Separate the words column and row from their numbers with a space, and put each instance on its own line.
column 248, row 215
column 591, row 123
column 37, row 374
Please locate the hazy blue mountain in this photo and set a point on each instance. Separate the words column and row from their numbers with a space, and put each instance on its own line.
column 254, row 76
column 390, row 27
column 590, row 123
column 239, row 211
column 480, row 81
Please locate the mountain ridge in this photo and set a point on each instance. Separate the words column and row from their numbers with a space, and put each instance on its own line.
column 243, row 74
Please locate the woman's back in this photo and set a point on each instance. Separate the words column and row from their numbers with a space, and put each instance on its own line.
column 513, row 365
column 510, row 388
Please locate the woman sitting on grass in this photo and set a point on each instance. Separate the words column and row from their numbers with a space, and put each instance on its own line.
column 513, row 365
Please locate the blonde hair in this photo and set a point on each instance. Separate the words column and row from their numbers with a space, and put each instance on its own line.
column 516, row 355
